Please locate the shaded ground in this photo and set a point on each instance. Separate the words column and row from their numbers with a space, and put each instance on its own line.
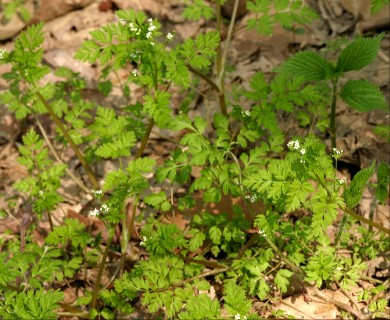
column 68, row 25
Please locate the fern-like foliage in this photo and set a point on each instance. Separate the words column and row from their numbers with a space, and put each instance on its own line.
column 285, row 13
column 200, row 307
column 31, row 304
column 43, row 185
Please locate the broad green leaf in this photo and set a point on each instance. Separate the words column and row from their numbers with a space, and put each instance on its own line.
column 363, row 96
column 377, row 5
column 308, row 65
column 382, row 188
column 354, row 193
column 359, row 53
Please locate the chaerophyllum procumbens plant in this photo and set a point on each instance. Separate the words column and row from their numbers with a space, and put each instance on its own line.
column 285, row 191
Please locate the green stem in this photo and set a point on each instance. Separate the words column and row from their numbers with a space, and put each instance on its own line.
column 353, row 214
column 145, row 139
column 55, row 154
column 341, row 228
column 101, row 268
column 332, row 125
column 204, row 77
column 362, row 219
column 69, row 139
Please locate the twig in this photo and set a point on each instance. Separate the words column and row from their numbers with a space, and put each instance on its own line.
column 101, row 268
column 353, row 302
column 339, row 304
column 296, row 309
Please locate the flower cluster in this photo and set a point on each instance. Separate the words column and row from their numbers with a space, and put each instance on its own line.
column 96, row 212
column 2, row 53
column 144, row 240
column 294, row 145
column 262, row 233
column 337, row 153
column 97, row 193
column 169, row 36
column 340, row 181
column 151, row 28
column 134, row 73
column 238, row 317
column 252, row 198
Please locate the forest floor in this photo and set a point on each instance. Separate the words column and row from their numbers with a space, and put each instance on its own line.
column 68, row 25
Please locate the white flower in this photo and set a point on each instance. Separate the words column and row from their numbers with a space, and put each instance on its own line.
column 337, row 153
column 340, row 181
column 245, row 318
column 105, row 208
column 41, row 193
column 237, row 316
column 293, row 144
column 261, row 233
column 169, row 36
column 150, row 20
column 142, row 243
column 134, row 72
column 94, row 213
column 148, row 35
column 302, row 151
column 152, row 28
column 152, row 44
column 122, row 21
column 97, row 192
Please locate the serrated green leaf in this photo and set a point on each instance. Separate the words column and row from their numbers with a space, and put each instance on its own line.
column 358, row 54
column 215, row 234
column 199, row 9
column 377, row 5
column 353, row 194
column 281, row 279
column 308, row 65
column 363, row 96
column 382, row 189
column 236, row 300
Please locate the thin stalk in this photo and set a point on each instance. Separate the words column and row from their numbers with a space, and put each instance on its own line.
column 121, row 87
column 204, row 77
column 340, row 229
column 219, row 29
column 353, row 214
column 362, row 219
column 50, row 221
column 332, row 124
column 55, row 154
column 101, row 268
column 69, row 139
column 145, row 139
column 227, row 44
